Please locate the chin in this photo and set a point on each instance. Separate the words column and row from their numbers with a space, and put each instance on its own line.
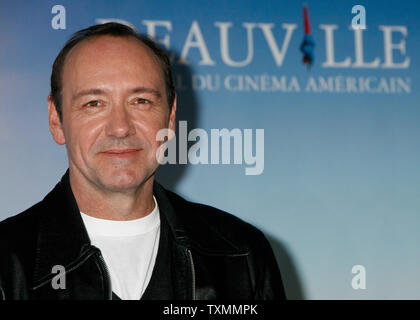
column 123, row 180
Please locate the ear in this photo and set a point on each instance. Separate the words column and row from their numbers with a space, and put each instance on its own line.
column 54, row 122
column 172, row 118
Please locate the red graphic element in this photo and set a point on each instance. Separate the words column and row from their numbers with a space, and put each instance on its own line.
column 306, row 20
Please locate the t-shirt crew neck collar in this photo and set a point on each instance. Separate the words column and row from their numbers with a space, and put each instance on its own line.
column 116, row 228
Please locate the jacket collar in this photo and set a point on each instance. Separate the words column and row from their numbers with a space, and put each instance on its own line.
column 63, row 238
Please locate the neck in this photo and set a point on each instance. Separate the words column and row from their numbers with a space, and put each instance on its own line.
column 112, row 205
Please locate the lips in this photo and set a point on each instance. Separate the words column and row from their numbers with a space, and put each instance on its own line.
column 121, row 152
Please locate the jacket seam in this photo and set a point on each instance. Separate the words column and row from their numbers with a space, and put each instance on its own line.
column 194, row 245
column 223, row 237
column 241, row 251
column 68, row 268
column 2, row 294
column 251, row 277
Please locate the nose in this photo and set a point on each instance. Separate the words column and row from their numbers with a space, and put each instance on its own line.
column 119, row 123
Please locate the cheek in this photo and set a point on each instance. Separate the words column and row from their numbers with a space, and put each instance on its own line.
column 82, row 137
column 149, row 129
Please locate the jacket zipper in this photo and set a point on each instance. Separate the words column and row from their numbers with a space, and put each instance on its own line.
column 106, row 273
column 192, row 273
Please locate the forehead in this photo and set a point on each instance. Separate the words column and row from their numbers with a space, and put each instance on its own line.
column 109, row 60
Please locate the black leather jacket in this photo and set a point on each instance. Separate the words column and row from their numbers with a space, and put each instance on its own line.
column 204, row 253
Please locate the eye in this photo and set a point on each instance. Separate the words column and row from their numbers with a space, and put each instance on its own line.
column 141, row 101
column 94, row 103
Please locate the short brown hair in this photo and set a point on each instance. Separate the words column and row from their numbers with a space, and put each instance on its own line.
column 113, row 29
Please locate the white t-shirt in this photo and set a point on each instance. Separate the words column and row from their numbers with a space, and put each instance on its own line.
column 129, row 249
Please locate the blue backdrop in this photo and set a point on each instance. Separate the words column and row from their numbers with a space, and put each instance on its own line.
column 340, row 185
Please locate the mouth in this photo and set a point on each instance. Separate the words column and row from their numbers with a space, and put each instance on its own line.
column 121, row 153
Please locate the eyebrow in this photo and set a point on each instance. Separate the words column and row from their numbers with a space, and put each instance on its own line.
column 97, row 91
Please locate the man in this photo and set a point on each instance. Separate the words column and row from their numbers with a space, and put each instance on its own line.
column 108, row 230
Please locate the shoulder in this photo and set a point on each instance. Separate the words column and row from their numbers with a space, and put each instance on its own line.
column 24, row 226
column 206, row 223
column 16, row 230
column 23, row 219
column 214, row 232
column 210, row 231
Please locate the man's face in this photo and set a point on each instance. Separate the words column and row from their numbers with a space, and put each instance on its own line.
column 114, row 103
